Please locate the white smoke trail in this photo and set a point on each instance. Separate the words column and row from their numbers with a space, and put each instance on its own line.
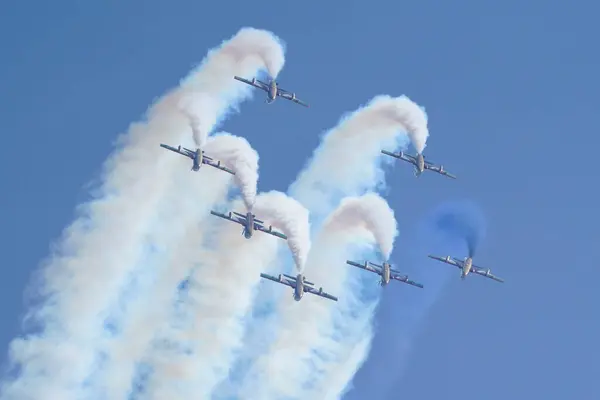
column 334, row 384
column 347, row 161
column 151, row 309
column 244, row 160
column 99, row 249
column 220, row 294
column 248, row 52
column 306, row 347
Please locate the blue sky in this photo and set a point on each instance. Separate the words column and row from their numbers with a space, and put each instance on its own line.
column 510, row 90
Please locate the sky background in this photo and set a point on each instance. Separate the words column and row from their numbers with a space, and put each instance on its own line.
column 510, row 89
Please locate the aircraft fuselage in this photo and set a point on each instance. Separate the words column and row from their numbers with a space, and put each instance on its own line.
column 420, row 167
column 467, row 267
column 249, row 230
column 385, row 274
column 299, row 289
column 272, row 94
column 197, row 160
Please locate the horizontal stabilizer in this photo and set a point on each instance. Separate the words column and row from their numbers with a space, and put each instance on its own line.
column 294, row 278
column 289, row 276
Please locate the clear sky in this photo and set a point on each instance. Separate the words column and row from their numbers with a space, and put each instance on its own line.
column 510, row 89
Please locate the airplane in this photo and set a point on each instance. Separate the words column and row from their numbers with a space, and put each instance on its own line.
column 250, row 224
column 419, row 163
column 385, row 271
column 300, row 286
column 467, row 266
column 198, row 157
column 272, row 90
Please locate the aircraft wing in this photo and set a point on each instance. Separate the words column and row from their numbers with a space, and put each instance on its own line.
column 184, row 152
column 439, row 169
column 254, row 82
column 448, row 260
column 320, row 292
column 209, row 161
column 364, row 266
column 290, row 96
column 270, row 231
column 284, row 281
column 404, row 278
column 401, row 156
column 240, row 220
column 486, row 273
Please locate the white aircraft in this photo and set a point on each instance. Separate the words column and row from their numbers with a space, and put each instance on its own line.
column 273, row 90
column 467, row 266
column 419, row 163
column 300, row 286
column 385, row 271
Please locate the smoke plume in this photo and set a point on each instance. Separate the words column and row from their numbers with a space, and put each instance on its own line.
column 462, row 220
column 87, row 271
column 347, row 160
column 307, row 347
column 236, row 153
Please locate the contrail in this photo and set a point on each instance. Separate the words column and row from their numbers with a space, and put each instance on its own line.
column 85, row 273
column 220, row 294
column 150, row 310
column 315, row 342
column 347, row 161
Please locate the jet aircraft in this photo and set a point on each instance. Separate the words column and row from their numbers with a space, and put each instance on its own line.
column 273, row 90
column 198, row 157
column 467, row 266
column 300, row 286
column 385, row 271
column 250, row 224
column 419, row 163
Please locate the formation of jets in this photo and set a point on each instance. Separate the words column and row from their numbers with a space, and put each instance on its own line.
column 251, row 224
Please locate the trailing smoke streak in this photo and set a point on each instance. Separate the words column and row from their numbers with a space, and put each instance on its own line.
column 151, row 308
column 306, row 348
column 244, row 160
column 330, row 176
column 54, row 362
column 462, row 220
column 335, row 383
column 394, row 344
column 220, row 294
column 207, row 95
